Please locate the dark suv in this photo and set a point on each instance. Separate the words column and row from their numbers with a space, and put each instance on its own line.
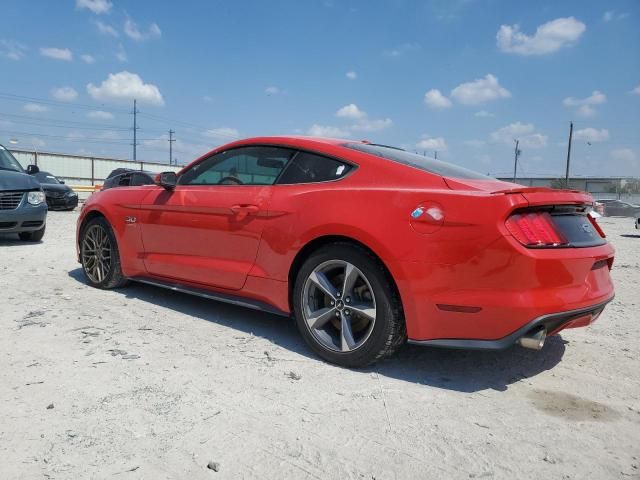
column 23, row 207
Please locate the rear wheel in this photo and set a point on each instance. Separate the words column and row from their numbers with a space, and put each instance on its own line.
column 35, row 236
column 100, row 256
column 346, row 306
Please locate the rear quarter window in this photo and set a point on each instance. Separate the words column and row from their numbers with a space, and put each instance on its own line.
column 311, row 168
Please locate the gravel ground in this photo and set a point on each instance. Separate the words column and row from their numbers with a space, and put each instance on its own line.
column 143, row 383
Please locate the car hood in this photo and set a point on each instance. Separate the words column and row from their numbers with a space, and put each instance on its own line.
column 55, row 187
column 17, row 181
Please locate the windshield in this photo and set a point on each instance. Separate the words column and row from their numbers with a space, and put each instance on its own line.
column 8, row 161
column 430, row 165
column 46, row 177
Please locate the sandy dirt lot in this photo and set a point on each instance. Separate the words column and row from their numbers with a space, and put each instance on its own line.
column 144, row 383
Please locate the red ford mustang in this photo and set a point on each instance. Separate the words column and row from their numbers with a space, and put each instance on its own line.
column 365, row 245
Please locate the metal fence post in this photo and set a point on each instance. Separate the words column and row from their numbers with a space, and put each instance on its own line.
column 93, row 176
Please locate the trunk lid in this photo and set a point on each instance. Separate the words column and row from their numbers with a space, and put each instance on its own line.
column 568, row 209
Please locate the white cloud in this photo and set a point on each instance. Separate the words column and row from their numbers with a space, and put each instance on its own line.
column 328, row 131
column 525, row 132
column 585, row 105
column 351, row 75
column 132, row 31
column 362, row 121
column 57, row 53
column 96, row 6
column 351, row 111
column 435, row 99
column 623, row 155
column 105, row 29
column 64, row 94
column 86, row 58
column 372, row 125
column 121, row 54
column 100, row 115
column 591, row 135
column 548, row 38
column 223, row 132
column 272, row 91
column 596, row 98
column 636, row 91
column 12, row 50
column 483, row 114
column 480, row 90
column 125, row 86
column 613, row 15
column 403, row 49
column 35, row 108
column 432, row 143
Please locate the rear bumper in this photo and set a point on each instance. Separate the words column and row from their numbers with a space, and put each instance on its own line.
column 553, row 323
column 492, row 293
column 25, row 218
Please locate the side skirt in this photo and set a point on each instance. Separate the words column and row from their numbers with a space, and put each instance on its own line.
column 210, row 295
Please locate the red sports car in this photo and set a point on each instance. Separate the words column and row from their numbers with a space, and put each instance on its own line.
column 365, row 245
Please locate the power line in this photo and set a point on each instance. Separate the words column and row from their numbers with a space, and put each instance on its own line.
column 43, row 101
column 116, row 141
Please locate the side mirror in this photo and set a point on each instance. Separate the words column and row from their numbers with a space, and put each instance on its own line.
column 167, row 180
column 33, row 169
column 61, row 181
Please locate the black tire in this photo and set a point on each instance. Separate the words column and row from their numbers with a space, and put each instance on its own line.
column 113, row 278
column 389, row 331
column 34, row 236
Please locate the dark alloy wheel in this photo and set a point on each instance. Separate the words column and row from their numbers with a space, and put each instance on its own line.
column 99, row 255
column 347, row 307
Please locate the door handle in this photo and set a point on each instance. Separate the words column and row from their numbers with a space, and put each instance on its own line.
column 241, row 211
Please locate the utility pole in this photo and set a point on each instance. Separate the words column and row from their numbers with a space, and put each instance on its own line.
column 171, row 140
column 135, row 129
column 435, row 155
column 515, row 162
column 566, row 175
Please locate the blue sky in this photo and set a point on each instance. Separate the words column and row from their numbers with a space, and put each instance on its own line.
column 461, row 77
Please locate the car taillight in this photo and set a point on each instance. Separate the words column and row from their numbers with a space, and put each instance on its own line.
column 535, row 229
column 596, row 226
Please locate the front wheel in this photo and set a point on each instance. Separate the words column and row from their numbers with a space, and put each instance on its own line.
column 347, row 307
column 99, row 255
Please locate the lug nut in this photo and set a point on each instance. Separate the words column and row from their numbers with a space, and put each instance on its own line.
column 347, row 312
column 332, row 303
column 337, row 314
column 348, row 299
column 338, row 294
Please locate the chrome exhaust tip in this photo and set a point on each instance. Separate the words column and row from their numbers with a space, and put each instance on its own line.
column 534, row 341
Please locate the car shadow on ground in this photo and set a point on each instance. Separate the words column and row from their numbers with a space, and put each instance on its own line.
column 457, row 370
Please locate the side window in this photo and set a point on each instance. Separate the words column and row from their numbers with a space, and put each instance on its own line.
column 309, row 168
column 124, row 180
column 141, row 179
column 240, row 166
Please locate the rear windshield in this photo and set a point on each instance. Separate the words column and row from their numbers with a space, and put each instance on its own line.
column 427, row 164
